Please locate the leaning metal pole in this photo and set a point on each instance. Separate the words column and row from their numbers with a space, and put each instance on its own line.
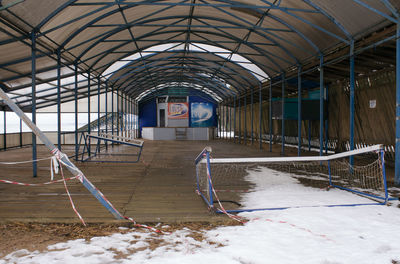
column 64, row 158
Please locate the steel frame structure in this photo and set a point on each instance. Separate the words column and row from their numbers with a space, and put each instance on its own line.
column 203, row 40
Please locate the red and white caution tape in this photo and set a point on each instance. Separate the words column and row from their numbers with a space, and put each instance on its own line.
column 234, row 217
column 37, row 184
column 22, row 162
column 70, row 199
column 55, row 165
column 81, row 178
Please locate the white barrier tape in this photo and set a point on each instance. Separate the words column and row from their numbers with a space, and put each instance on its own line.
column 22, row 162
column 54, row 167
column 36, row 184
column 70, row 199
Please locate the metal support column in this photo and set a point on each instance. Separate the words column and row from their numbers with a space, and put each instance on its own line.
column 131, row 117
column 20, row 133
column 124, row 114
column 226, row 120
column 118, row 112
column 270, row 115
column 113, row 113
column 106, row 110
column 88, row 128
column 76, row 112
column 309, row 135
column 5, row 130
column 59, row 99
column 351, row 106
column 124, row 110
column 260, row 116
column 219, row 121
column 222, row 121
column 283, row 112
column 321, row 104
column 240, row 122
column 137, row 119
column 299, row 110
column 230, row 122
column 252, row 116
column 397, row 154
column 234, row 119
column 245, row 120
column 98, row 106
column 34, row 145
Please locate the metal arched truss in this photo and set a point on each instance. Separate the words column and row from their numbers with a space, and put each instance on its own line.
column 74, row 40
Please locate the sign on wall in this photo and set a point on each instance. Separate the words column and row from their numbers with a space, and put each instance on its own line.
column 201, row 115
column 178, row 111
column 372, row 103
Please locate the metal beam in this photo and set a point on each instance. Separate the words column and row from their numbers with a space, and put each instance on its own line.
column 112, row 111
column 245, row 119
column 351, row 105
column 76, row 113
column 106, row 110
column 59, row 99
column 260, row 116
column 283, row 112
column 98, row 106
column 270, row 115
column 88, row 113
column 321, row 105
column 397, row 157
column 5, row 129
column 240, row 121
column 234, row 119
column 299, row 110
column 252, row 116
column 33, row 78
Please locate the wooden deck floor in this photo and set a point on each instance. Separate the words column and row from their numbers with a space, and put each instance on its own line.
column 160, row 188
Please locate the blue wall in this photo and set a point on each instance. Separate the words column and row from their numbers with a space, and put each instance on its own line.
column 197, row 99
column 148, row 111
column 147, row 115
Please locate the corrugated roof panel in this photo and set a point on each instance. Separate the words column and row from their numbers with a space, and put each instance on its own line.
column 33, row 12
column 78, row 15
column 275, row 37
column 14, row 51
column 352, row 16
column 146, row 12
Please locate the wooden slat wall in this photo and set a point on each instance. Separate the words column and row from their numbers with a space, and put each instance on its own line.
column 372, row 125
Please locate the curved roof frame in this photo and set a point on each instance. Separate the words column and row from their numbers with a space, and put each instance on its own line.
column 195, row 32
column 219, row 5
column 252, row 28
column 200, row 59
column 154, row 33
column 219, row 88
column 226, row 3
column 198, row 90
column 193, row 69
column 193, row 81
column 104, row 54
column 214, row 84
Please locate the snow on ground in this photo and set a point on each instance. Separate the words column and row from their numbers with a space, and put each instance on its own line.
column 326, row 235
